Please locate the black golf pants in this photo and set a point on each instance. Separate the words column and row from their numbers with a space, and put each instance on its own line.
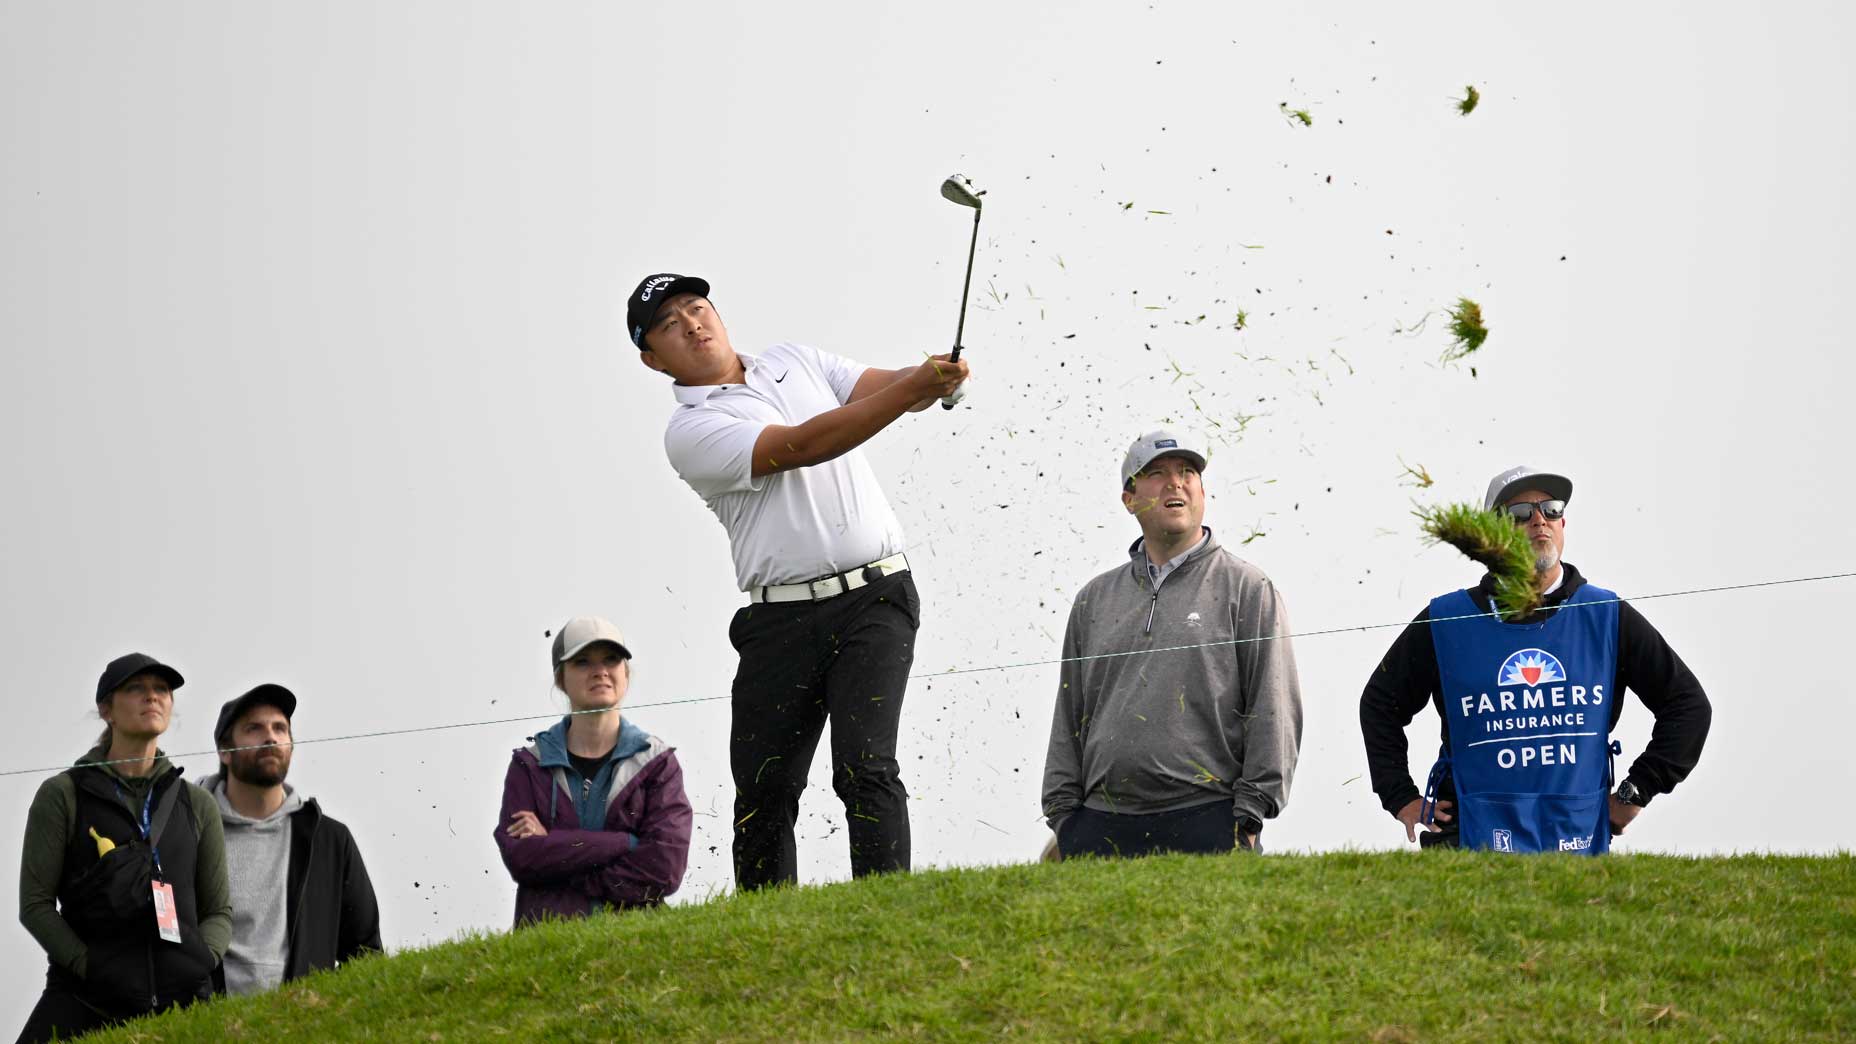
column 846, row 659
column 1201, row 828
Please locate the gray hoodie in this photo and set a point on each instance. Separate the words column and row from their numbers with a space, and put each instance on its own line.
column 1173, row 727
column 258, row 865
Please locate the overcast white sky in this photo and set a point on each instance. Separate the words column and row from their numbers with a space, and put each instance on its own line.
column 314, row 373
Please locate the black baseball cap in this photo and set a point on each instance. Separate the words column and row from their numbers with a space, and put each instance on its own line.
column 266, row 695
column 122, row 668
column 652, row 292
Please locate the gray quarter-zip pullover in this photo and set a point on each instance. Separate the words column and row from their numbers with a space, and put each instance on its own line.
column 1209, row 712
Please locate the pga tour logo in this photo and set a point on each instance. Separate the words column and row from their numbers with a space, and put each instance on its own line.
column 1504, row 841
column 1529, row 668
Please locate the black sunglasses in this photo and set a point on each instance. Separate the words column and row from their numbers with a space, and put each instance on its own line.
column 1522, row 511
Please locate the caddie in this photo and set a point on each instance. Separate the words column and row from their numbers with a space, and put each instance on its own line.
column 1527, row 705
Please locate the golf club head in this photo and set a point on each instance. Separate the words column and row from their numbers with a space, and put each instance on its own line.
column 959, row 190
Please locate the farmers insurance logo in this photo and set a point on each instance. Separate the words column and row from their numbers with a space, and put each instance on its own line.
column 1530, row 667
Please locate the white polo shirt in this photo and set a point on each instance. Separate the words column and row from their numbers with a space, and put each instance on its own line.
column 791, row 525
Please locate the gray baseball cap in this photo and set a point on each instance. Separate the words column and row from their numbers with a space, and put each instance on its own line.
column 1521, row 477
column 1153, row 445
column 582, row 631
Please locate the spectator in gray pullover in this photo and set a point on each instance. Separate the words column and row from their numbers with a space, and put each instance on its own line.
column 301, row 897
column 1190, row 743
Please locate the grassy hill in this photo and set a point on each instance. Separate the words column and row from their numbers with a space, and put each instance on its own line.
column 1383, row 946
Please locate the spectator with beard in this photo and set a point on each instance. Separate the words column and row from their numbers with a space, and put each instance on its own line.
column 301, row 898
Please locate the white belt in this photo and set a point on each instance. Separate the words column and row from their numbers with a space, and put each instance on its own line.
column 830, row 586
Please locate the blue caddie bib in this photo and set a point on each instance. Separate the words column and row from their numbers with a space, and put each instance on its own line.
column 1529, row 712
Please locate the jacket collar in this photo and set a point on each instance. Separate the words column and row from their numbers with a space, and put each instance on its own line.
column 215, row 785
column 551, row 745
column 1137, row 553
column 1570, row 581
column 101, row 752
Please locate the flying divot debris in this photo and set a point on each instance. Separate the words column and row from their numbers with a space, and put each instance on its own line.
column 1494, row 542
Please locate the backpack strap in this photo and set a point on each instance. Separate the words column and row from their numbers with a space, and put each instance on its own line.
column 164, row 808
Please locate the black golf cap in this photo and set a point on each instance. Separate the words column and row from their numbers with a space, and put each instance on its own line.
column 266, row 695
column 122, row 668
column 641, row 310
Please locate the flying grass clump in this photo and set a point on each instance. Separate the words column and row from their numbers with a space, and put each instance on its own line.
column 1496, row 543
column 1466, row 330
column 1467, row 104
column 1302, row 116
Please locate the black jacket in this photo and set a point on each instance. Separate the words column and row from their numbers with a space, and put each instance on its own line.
column 109, row 902
column 332, row 914
column 1407, row 679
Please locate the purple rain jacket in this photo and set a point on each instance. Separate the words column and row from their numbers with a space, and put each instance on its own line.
column 634, row 858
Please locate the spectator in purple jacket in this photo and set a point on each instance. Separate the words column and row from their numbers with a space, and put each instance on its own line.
column 594, row 815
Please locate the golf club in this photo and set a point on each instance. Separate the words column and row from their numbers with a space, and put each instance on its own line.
column 959, row 190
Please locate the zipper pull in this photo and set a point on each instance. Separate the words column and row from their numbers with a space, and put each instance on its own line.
column 1151, row 606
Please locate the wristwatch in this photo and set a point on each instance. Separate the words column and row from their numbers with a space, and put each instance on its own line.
column 1246, row 826
column 1629, row 793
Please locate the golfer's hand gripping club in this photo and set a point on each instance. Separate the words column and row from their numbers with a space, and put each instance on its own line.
column 948, row 402
column 938, row 377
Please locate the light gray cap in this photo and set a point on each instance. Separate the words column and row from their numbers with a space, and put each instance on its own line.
column 582, row 631
column 1155, row 444
column 1521, row 477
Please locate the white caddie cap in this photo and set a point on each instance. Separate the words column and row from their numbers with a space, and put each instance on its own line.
column 1521, row 477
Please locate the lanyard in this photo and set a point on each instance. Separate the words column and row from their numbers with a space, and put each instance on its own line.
column 148, row 803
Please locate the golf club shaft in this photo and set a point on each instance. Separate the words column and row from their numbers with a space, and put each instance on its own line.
column 960, row 329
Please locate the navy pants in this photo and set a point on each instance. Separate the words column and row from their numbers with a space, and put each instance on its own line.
column 846, row 659
column 1202, row 828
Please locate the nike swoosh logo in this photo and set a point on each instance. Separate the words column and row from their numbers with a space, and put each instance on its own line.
column 781, row 377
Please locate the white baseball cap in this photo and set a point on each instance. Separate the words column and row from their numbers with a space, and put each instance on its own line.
column 1521, row 477
column 582, row 631
column 1153, row 445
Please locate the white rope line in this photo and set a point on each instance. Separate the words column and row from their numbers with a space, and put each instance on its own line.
column 954, row 672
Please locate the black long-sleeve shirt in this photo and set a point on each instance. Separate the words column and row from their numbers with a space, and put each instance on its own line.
column 1408, row 678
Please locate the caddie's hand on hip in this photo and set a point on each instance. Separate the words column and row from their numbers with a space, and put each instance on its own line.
column 1622, row 814
column 1413, row 810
